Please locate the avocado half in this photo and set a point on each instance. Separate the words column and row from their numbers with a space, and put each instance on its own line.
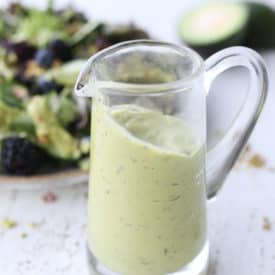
column 218, row 25
column 214, row 26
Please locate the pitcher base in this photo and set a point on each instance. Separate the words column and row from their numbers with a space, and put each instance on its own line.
column 197, row 267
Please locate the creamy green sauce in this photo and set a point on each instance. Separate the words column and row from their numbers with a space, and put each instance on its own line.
column 147, row 193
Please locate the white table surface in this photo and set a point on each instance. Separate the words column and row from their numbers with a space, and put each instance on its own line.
column 239, row 243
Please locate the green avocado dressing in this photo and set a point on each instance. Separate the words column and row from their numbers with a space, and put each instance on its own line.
column 146, row 199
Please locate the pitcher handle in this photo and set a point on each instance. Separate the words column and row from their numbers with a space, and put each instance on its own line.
column 223, row 156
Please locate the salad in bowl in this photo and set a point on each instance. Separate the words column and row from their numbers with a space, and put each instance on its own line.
column 44, row 129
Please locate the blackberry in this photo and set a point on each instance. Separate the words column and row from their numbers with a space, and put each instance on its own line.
column 21, row 157
column 23, row 50
column 44, row 57
column 43, row 86
column 23, row 79
column 60, row 50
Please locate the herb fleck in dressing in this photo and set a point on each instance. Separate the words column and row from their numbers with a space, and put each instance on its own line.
column 152, row 219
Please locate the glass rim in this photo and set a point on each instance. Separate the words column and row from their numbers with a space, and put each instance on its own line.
column 154, row 88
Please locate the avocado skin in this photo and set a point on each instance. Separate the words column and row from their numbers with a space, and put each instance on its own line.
column 260, row 32
column 207, row 50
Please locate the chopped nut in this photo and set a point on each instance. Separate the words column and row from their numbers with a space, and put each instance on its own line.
column 267, row 226
column 40, row 119
column 257, row 161
column 24, row 235
column 49, row 197
column 33, row 69
column 43, row 139
column 8, row 224
column 33, row 225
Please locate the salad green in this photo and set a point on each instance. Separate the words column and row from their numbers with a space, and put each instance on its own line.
column 34, row 29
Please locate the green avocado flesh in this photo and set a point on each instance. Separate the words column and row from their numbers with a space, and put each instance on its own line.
column 55, row 139
column 213, row 23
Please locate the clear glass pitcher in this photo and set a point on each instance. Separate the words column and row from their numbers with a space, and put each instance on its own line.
column 150, row 171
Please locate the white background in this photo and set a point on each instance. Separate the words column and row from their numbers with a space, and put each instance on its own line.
column 240, row 245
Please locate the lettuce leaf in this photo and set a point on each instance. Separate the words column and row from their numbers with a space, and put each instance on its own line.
column 40, row 27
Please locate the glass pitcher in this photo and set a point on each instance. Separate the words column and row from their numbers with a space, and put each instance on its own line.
column 150, row 171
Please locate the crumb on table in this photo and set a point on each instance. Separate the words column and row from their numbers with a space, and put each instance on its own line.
column 257, row 161
column 267, row 226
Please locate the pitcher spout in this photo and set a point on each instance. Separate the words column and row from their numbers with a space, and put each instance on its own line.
column 85, row 80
